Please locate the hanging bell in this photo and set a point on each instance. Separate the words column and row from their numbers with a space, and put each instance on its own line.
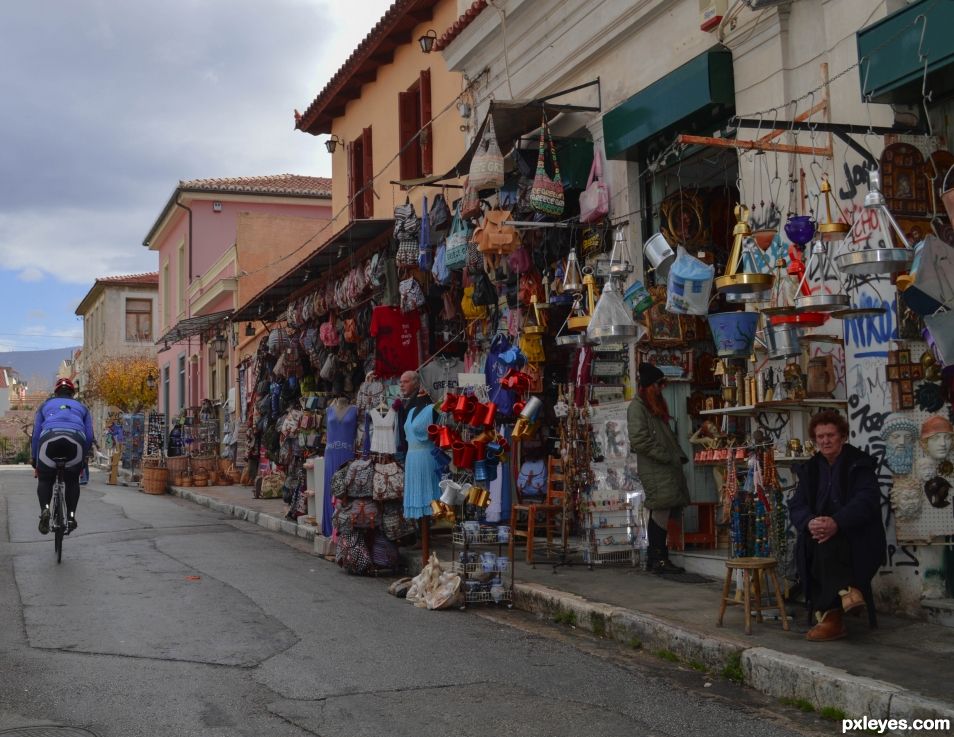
column 734, row 281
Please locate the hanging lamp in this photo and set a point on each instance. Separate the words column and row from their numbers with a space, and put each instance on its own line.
column 885, row 259
column 572, row 277
column 734, row 281
column 820, row 302
column 612, row 321
column 566, row 339
column 619, row 263
column 580, row 318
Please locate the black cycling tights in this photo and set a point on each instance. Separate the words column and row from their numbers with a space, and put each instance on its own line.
column 44, row 489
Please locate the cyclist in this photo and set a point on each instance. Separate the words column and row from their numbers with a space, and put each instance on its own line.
column 63, row 429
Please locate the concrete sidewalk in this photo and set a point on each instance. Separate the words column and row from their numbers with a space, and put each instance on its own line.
column 902, row 670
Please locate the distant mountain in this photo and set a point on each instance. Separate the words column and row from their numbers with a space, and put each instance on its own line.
column 37, row 368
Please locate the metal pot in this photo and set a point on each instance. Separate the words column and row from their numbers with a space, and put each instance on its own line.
column 660, row 254
column 782, row 341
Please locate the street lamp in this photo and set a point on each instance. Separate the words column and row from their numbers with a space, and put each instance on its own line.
column 220, row 345
column 332, row 143
column 151, row 380
column 427, row 41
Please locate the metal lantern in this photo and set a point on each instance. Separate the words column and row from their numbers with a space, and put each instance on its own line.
column 807, row 302
column 734, row 281
column 573, row 278
column 619, row 263
column 885, row 259
column 220, row 345
column 580, row 319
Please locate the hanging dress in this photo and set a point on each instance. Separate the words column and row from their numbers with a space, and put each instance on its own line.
column 339, row 449
column 382, row 430
column 420, row 468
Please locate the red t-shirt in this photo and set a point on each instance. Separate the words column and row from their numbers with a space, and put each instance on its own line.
column 395, row 334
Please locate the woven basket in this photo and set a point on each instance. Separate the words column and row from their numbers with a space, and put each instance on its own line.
column 200, row 482
column 177, row 465
column 154, row 480
column 205, row 464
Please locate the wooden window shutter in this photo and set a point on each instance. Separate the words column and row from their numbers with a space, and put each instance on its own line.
column 367, row 173
column 352, row 182
column 427, row 131
column 405, row 131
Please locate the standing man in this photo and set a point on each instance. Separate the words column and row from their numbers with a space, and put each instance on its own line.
column 659, row 461
column 411, row 397
column 62, row 430
column 836, row 509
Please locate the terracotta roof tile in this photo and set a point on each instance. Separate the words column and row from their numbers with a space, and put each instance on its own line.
column 149, row 278
column 316, row 118
column 286, row 184
column 444, row 40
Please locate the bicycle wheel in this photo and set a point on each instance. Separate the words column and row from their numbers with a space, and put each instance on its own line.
column 58, row 542
column 58, row 519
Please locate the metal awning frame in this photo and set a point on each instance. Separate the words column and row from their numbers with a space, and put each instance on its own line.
column 192, row 326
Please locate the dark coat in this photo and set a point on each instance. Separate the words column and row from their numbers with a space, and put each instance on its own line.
column 858, row 512
column 659, row 459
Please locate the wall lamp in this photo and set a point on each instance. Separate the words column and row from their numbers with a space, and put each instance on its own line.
column 427, row 41
column 249, row 330
column 332, row 143
column 220, row 345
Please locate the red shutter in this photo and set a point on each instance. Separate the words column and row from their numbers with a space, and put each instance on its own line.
column 367, row 173
column 352, row 184
column 405, row 131
column 427, row 132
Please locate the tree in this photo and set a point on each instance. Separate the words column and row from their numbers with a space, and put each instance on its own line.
column 123, row 382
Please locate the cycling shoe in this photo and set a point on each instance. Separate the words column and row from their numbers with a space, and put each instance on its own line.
column 72, row 525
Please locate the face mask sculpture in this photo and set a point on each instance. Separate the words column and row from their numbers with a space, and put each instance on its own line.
column 899, row 435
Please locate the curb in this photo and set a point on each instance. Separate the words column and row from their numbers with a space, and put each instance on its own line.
column 262, row 519
column 768, row 671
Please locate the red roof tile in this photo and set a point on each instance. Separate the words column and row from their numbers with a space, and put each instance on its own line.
column 444, row 40
column 396, row 26
column 286, row 184
column 150, row 278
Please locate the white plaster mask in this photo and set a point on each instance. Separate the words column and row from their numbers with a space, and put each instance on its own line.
column 938, row 446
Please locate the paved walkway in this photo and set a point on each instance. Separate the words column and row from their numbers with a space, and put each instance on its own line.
column 903, row 669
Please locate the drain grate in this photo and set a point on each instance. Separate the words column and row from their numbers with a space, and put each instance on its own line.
column 49, row 730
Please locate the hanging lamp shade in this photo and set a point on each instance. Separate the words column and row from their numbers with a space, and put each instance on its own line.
column 580, row 319
column 885, row 259
column 612, row 320
column 620, row 263
column 830, row 230
column 567, row 339
column 735, row 281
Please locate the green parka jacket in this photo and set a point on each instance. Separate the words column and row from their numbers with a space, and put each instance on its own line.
column 659, row 458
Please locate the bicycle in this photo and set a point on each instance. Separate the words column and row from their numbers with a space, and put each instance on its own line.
column 59, row 518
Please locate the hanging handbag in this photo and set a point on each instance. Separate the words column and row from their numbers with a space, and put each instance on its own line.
column 487, row 166
column 469, row 206
column 594, row 200
column 412, row 296
column 439, row 270
column 546, row 195
column 485, row 294
column 493, row 237
column 360, row 479
column 440, row 214
column 471, row 311
column 425, row 254
column 393, row 523
column 388, row 482
column 455, row 257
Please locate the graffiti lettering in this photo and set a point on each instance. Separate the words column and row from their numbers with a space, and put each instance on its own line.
column 911, row 559
column 868, row 422
column 856, row 176
column 871, row 329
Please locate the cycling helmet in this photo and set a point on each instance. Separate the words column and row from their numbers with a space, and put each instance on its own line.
column 64, row 386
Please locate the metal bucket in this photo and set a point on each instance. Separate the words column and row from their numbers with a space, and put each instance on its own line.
column 733, row 333
column 660, row 254
column 782, row 341
column 941, row 327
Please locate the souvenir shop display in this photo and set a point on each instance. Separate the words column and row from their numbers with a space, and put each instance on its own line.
column 155, row 434
column 133, row 443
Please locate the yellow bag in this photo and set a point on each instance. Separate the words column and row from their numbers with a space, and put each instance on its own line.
column 532, row 347
column 470, row 310
column 494, row 237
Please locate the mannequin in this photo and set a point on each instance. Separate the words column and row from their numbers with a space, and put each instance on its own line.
column 341, row 421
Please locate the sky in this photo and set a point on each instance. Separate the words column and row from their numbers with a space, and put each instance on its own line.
column 109, row 103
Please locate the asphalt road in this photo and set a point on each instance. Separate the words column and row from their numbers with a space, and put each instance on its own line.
column 166, row 619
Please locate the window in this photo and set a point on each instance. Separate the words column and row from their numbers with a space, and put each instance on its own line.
column 360, row 173
column 414, row 113
column 182, row 380
column 165, row 392
column 139, row 319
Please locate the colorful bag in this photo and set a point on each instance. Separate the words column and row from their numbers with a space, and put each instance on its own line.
column 425, row 253
column 364, row 513
column 440, row 214
column 412, row 297
column 388, row 482
column 455, row 258
column 271, row 485
column 487, row 166
column 360, row 479
column 594, row 200
column 393, row 523
column 471, row 311
column 352, row 554
column 384, row 553
column 494, row 237
column 469, row 207
column 339, row 482
column 546, row 195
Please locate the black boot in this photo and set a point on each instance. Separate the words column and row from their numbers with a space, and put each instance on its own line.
column 658, row 552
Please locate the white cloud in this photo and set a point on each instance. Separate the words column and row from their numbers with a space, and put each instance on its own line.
column 30, row 274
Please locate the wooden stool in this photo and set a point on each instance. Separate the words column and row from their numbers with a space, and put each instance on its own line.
column 748, row 566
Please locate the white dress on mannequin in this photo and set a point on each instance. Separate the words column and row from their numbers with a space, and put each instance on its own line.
column 383, row 422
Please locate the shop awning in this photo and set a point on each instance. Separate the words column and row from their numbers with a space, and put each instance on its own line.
column 513, row 119
column 695, row 98
column 890, row 50
column 194, row 326
column 270, row 301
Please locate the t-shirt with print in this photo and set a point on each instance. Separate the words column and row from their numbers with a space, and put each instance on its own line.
column 396, row 339
column 440, row 376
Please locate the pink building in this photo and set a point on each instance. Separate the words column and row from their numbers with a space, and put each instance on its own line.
column 195, row 239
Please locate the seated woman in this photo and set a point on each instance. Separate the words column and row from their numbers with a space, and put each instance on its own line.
column 836, row 509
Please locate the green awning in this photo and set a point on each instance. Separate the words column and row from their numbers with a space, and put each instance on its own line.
column 695, row 98
column 891, row 68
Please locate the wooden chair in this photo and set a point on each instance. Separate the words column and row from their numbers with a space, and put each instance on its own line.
column 549, row 508
column 752, row 598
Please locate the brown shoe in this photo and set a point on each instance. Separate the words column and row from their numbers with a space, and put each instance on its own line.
column 852, row 601
column 831, row 626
